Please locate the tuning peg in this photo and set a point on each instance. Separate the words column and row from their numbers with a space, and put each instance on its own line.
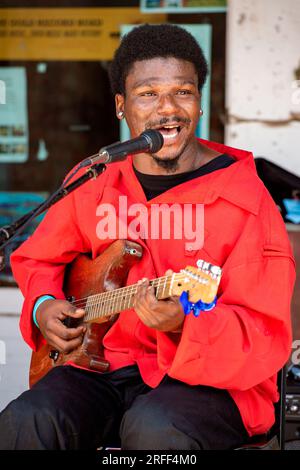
column 216, row 270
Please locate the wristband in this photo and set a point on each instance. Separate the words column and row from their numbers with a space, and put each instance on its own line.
column 39, row 301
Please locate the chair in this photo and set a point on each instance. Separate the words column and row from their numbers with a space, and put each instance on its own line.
column 274, row 439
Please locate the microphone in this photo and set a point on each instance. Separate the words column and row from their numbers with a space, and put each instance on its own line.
column 148, row 141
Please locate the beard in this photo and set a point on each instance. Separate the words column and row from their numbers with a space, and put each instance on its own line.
column 170, row 164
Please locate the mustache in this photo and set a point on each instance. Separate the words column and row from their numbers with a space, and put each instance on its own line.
column 165, row 120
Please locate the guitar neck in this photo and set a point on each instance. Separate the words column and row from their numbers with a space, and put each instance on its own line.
column 200, row 283
column 107, row 303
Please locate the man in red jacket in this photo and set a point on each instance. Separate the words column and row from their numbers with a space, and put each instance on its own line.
column 175, row 381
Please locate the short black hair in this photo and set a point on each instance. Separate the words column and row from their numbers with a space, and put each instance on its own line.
column 149, row 41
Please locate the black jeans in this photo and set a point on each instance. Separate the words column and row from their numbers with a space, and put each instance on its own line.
column 71, row 408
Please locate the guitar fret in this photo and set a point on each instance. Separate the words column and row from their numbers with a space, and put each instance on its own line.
column 86, row 309
column 107, row 302
column 114, row 302
column 128, row 301
column 171, row 284
column 92, row 310
column 111, row 302
column 131, row 294
column 164, row 288
column 119, row 301
column 101, row 304
column 98, row 309
column 113, row 298
column 158, row 296
column 130, row 298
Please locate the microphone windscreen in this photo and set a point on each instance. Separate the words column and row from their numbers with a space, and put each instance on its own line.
column 155, row 138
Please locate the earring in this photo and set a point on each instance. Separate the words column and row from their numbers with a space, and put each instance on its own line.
column 201, row 112
column 120, row 114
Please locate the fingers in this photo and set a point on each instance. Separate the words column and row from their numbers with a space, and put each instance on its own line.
column 57, row 334
column 163, row 315
column 71, row 310
column 145, row 295
column 169, row 272
column 59, row 329
column 65, row 339
column 64, row 346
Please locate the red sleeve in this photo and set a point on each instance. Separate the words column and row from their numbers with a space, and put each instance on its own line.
column 39, row 263
column 247, row 337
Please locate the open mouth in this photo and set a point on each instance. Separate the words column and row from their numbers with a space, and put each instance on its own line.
column 169, row 132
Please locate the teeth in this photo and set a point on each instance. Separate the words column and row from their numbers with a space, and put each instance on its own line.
column 170, row 127
column 171, row 135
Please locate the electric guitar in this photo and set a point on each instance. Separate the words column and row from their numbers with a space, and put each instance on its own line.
column 96, row 286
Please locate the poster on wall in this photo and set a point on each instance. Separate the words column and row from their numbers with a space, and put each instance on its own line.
column 183, row 6
column 14, row 116
column 66, row 33
column 14, row 205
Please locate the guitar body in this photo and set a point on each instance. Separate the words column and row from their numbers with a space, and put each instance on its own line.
column 86, row 277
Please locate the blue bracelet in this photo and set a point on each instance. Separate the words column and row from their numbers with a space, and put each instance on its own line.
column 195, row 307
column 39, row 301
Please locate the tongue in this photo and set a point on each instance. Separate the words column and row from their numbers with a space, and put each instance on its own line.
column 169, row 132
column 168, row 129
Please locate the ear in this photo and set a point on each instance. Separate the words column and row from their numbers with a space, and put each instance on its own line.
column 119, row 102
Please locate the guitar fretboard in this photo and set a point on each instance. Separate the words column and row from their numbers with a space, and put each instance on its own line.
column 110, row 302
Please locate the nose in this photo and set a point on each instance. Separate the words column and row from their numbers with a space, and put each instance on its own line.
column 167, row 105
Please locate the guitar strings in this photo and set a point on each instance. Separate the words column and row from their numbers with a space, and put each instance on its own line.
column 112, row 305
column 121, row 297
column 119, row 292
column 122, row 290
column 116, row 292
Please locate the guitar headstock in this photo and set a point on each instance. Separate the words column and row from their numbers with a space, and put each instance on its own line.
column 200, row 282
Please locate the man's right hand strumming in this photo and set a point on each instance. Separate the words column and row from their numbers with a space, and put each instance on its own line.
column 50, row 316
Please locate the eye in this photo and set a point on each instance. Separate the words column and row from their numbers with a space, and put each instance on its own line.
column 147, row 93
column 184, row 92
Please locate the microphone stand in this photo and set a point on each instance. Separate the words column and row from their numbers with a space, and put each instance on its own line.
column 9, row 232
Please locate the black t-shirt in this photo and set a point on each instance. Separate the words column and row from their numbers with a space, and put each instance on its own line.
column 154, row 185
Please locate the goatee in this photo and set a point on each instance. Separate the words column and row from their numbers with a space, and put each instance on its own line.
column 168, row 164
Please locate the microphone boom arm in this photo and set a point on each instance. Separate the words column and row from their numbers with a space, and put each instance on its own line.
column 9, row 232
column 149, row 140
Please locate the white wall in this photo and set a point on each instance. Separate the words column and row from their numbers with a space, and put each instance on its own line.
column 14, row 372
column 263, row 79
column 11, row 300
column 14, row 353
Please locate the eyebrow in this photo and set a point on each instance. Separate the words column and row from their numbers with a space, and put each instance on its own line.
column 149, row 81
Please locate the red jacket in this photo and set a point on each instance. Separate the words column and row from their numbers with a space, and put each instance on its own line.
column 238, row 346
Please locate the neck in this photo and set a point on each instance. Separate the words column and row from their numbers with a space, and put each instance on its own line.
column 190, row 159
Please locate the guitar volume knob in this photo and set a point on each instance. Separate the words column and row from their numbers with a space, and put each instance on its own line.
column 54, row 355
